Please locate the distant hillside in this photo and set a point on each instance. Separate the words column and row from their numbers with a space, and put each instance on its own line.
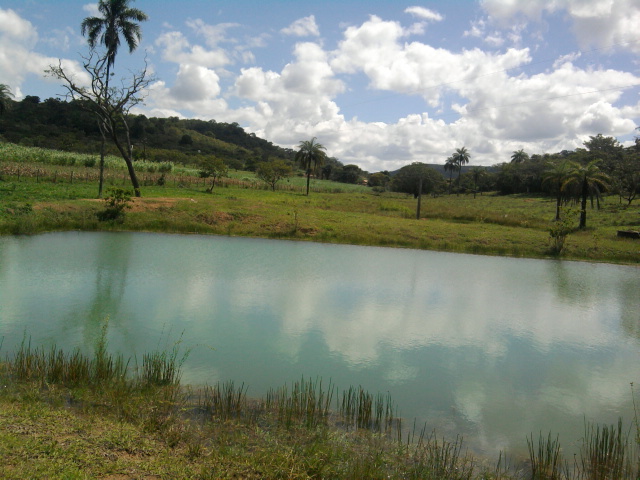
column 67, row 126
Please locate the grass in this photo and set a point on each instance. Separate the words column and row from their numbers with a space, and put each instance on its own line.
column 100, row 416
column 489, row 224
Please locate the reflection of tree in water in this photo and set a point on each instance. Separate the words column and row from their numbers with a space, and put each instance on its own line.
column 584, row 284
column 570, row 285
column 104, row 297
column 630, row 308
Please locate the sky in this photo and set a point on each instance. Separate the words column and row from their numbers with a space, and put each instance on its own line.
column 380, row 83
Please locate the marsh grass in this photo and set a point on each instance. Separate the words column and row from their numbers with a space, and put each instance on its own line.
column 546, row 460
column 605, row 453
column 71, row 412
column 363, row 410
column 305, row 403
column 224, row 400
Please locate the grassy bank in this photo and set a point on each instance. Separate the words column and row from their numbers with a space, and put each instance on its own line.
column 70, row 415
column 337, row 213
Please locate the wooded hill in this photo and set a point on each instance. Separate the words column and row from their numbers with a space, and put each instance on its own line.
column 67, row 126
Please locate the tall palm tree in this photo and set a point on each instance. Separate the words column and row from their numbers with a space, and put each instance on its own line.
column 460, row 158
column 588, row 178
column 555, row 175
column 450, row 166
column 5, row 97
column 117, row 19
column 519, row 156
column 310, row 153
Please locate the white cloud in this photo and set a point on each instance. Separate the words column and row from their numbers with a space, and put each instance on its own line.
column 18, row 60
column 303, row 27
column 596, row 23
column 177, row 49
column 424, row 13
column 195, row 83
column 91, row 9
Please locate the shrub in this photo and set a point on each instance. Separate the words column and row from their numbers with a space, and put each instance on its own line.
column 115, row 205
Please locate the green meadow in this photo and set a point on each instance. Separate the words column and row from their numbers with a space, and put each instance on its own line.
column 58, row 192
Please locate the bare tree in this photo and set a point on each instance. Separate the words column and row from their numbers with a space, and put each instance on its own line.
column 111, row 104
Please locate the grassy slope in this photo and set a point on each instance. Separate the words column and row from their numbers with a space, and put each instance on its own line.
column 488, row 224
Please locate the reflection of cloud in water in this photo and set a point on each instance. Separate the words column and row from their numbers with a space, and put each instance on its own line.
column 491, row 345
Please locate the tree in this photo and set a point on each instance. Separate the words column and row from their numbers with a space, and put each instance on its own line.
column 310, row 155
column 214, row 168
column 117, row 19
column 379, row 179
column 477, row 173
column 555, row 176
column 588, row 178
column 110, row 106
column 274, row 171
column 5, row 98
column 519, row 156
column 450, row 166
column 416, row 179
column 460, row 158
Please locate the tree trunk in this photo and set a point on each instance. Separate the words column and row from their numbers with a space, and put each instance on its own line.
column 101, row 166
column 583, row 204
column 419, row 199
column 308, row 179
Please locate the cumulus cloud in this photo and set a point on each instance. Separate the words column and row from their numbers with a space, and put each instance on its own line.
column 303, row 27
column 594, row 22
column 176, row 48
column 18, row 60
column 424, row 13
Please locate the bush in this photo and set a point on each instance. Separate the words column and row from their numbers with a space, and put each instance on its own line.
column 115, row 205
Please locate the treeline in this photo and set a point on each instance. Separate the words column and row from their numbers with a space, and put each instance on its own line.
column 68, row 126
column 617, row 167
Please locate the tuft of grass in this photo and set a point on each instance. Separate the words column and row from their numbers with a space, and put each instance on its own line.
column 546, row 461
column 605, row 453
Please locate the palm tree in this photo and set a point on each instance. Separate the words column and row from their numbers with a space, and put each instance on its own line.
column 117, row 19
column 588, row 178
column 450, row 166
column 460, row 158
column 5, row 98
column 519, row 156
column 310, row 152
column 555, row 175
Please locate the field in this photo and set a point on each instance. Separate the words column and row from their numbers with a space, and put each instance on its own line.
column 59, row 193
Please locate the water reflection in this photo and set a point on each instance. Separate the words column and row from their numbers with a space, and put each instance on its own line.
column 495, row 348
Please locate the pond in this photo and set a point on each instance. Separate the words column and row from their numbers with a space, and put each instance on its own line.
column 488, row 347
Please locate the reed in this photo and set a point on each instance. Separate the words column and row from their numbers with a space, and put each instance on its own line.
column 224, row 400
column 362, row 410
column 307, row 403
column 546, row 461
column 438, row 459
column 605, row 454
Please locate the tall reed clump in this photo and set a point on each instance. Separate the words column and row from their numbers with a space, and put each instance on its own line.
column 435, row 459
column 360, row 409
column 605, row 453
column 224, row 400
column 307, row 403
column 162, row 367
column 53, row 365
column 546, row 461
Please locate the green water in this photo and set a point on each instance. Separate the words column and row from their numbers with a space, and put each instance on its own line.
column 492, row 348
